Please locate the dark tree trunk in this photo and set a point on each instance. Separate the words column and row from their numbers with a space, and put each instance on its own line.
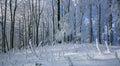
column 58, row 15
column 37, row 40
column 90, row 27
column 99, row 22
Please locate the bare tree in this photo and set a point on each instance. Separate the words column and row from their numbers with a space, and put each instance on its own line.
column 24, row 20
column 13, row 13
column 34, row 18
column 3, row 24
column 118, row 19
column 90, row 20
column 30, row 23
column 58, row 14
column 37, row 18
column 110, row 32
column 81, row 13
column 99, row 21
column 53, row 19
column 75, row 24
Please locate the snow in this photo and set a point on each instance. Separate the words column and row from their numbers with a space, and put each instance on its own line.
column 74, row 2
column 63, row 55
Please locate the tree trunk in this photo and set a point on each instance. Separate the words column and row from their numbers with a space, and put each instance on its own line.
column 75, row 25
column 58, row 15
column 110, row 32
column 90, row 27
column 99, row 22
column 3, row 40
column 81, row 28
column 118, row 8
column 53, row 20
column 4, row 27
column 12, row 23
column 37, row 39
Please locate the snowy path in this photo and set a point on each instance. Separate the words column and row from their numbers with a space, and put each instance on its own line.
column 62, row 55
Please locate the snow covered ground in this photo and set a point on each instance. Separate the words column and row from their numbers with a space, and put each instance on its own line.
column 63, row 55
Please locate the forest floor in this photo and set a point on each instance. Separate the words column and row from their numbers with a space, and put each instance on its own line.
column 63, row 55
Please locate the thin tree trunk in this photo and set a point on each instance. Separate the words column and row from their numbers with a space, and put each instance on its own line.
column 110, row 33
column 118, row 8
column 90, row 27
column 81, row 28
column 99, row 22
column 58, row 15
column 12, row 23
column 75, row 25
column 53, row 20
column 37, row 40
